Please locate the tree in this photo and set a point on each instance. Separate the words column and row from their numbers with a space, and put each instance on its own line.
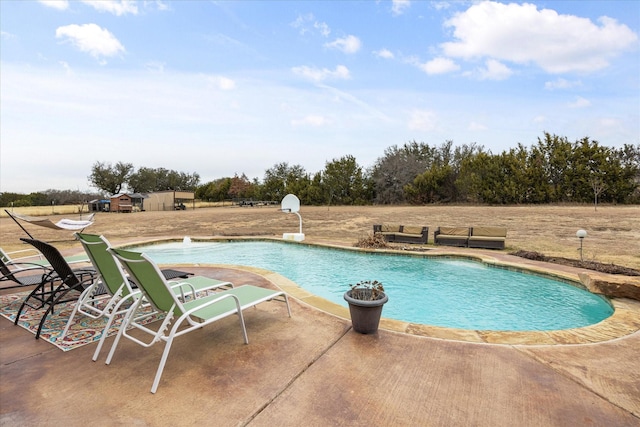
column 598, row 187
column 345, row 184
column 314, row 194
column 538, row 188
column 180, row 181
column 398, row 168
column 482, row 178
column 241, row 187
column 145, row 180
column 626, row 188
column 428, row 187
column 557, row 152
column 174, row 180
column 281, row 179
column 214, row 191
column 444, row 179
column 110, row 178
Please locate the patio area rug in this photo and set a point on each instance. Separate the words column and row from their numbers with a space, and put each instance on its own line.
column 84, row 330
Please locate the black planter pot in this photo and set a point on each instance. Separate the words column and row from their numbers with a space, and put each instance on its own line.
column 365, row 315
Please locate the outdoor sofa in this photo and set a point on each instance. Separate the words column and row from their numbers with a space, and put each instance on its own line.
column 452, row 236
column 471, row 237
column 488, row 237
column 396, row 233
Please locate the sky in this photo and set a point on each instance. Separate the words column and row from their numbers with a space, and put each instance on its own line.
column 220, row 88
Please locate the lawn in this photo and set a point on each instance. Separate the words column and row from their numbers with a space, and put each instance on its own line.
column 613, row 231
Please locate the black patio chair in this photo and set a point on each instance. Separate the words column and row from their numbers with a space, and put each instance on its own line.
column 56, row 285
column 7, row 274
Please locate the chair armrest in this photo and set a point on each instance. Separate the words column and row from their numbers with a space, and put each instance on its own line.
column 175, row 284
column 35, row 254
column 29, row 266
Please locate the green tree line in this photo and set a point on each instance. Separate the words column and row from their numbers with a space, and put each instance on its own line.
column 554, row 170
column 47, row 198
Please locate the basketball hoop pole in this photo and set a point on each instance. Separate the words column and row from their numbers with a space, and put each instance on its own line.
column 300, row 221
column 297, row 213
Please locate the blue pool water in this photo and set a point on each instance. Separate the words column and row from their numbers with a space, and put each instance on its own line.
column 447, row 292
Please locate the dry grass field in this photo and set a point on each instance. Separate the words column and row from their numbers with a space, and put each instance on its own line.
column 613, row 231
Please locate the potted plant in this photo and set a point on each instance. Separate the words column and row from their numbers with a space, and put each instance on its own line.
column 365, row 301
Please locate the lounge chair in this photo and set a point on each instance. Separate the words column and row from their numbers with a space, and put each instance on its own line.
column 63, row 224
column 30, row 254
column 120, row 293
column 29, row 260
column 55, row 285
column 11, row 272
column 32, row 259
column 181, row 318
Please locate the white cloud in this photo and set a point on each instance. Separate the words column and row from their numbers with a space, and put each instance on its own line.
column 562, row 84
column 495, row 70
column 7, row 36
column 439, row 65
column 371, row 110
column 348, row 44
column 90, row 38
column 301, row 23
column 155, row 66
column 383, row 53
column 323, row 28
column 56, row 4
column 523, row 34
column 580, row 102
column 319, row 74
column 440, row 5
column 308, row 24
column 117, row 7
column 222, row 83
column 161, row 5
column 66, row 66
column 606, row 122
column 476, row 127
column 423, row 120
column 311, row 120
column 399, row 6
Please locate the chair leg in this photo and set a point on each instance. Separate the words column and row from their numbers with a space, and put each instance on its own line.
column 163, row 361
column 103, row 337
column 71, row 317
column 244, row 328
column 39, row 288
column 52, row 304
column 53, row 300
column 15, row 322
column 128, row 317
column 44, row 317
column 112, row 316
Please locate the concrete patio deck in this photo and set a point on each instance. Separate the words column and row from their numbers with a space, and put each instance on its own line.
column 313, row 370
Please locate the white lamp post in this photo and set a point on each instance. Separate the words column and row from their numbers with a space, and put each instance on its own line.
column 581, row 234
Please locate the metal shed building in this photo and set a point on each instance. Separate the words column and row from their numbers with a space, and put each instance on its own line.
column 168, row 200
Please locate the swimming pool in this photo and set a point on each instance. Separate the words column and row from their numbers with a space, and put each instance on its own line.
column 447, row 292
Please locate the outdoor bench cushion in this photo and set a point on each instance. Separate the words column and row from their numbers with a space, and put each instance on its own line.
column 408, row 235
column 453, row 232
column 492, row 232
column 412, row 230
column 488, row 238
